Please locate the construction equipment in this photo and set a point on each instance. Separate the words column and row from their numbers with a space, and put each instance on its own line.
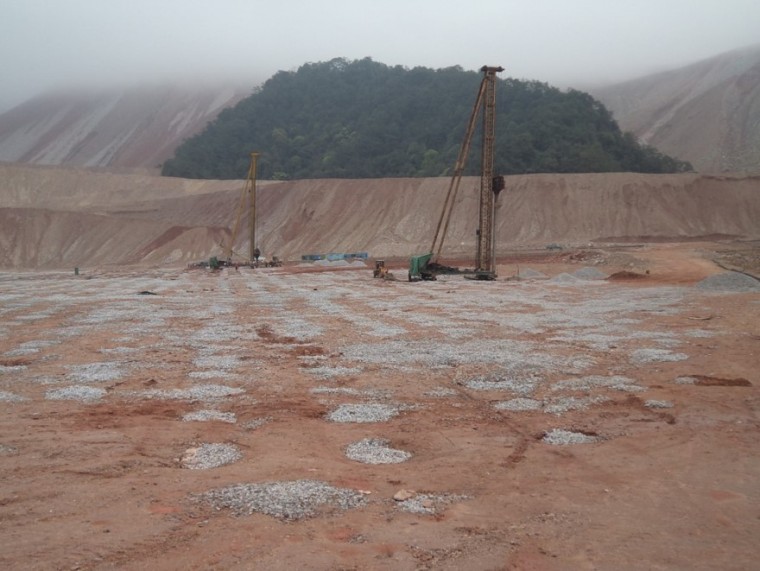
column 490, row 186
column 249, row 191
column 380, row 269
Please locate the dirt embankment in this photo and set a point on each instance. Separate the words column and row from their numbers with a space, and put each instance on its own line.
column 58, row 217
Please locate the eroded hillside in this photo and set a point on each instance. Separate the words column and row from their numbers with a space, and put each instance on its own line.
column 57, row 217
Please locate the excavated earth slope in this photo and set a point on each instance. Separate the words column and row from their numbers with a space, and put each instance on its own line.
column 64, row 217
column 706, row 113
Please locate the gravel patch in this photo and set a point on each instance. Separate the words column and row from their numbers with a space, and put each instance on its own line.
column 531, row 274
column 521, row 386
column 223, row 362
column 615, row 382
column 519, row 405
column 95, row 372
column 729, row 282
column 562, row 405
column 76, row 392
column 589, row 274
column 326, row 372
column 207, row 456
column 210, row 415
column 375, row 451
column 5, row 396
column 642, row 356
column 559, row 437
column 6, row 450
column 658, row 404
column 363, row 413
column 206, row 375
column 290, row 501
column 12, row 369
column 257, row 423
column 441, row 392
column 429, row 504
column 201, row 392
column 30, row 348
column 565, row 278
column 686, row 381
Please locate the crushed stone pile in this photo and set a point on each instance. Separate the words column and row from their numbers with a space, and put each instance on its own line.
column 376, row 451
column 429, row 504
column 531, row 274
column 519, row 405
column 206, row 415
column 590, row 382
column 76, row 392
column 641, row 356
column 560, row 437
column 207, row 456
column 729, row 282
column 658, row 404
column 589, row 274
column 291, row 500
column 201, row 392
column 5, row 396
column 363, row 413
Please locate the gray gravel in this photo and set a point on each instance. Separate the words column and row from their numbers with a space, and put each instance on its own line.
column 429, row 504
column 201, row 392
column 207, row 456
column 560, row 437
column 210, row 415
column 76, row 392
column 729, row 282
column 561, row 405
column 5, row 396
column 363, row 413
column 96, row 372
column 642, row 356
column 658, row 404
column 376, row 451
column 588, row 383
column 519, row 405
column 292, row 500
column 589, row 274
column 325, row 372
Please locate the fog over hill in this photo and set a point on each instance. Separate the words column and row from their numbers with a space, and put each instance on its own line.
column 707, row 113
column 132, row 128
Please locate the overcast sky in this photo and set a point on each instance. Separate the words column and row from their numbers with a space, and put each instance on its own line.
column 47, row 44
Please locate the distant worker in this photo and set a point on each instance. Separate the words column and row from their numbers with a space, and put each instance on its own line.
column 256, row 254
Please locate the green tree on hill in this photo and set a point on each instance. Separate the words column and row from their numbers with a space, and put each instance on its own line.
column 363, row 119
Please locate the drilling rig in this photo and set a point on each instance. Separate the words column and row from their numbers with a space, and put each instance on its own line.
column 426, row 265
column 249, row 192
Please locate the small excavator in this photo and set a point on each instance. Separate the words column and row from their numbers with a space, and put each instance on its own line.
column 426, row 266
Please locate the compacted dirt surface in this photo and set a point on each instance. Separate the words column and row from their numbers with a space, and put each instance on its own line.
column 601, row 412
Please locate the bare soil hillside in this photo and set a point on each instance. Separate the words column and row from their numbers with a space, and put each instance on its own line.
column 57, row 217
column 706, row 113
column 133, row 128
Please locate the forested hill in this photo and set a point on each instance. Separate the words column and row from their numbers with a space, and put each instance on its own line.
column 364, row 119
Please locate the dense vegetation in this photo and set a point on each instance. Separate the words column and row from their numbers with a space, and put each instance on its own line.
column 363, row 119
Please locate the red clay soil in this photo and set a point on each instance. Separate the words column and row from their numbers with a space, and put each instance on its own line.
column 100, row 486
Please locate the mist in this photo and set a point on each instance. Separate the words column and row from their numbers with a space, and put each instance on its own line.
column 85, row 44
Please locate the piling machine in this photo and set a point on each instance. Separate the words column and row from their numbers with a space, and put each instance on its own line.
column 426, row 266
